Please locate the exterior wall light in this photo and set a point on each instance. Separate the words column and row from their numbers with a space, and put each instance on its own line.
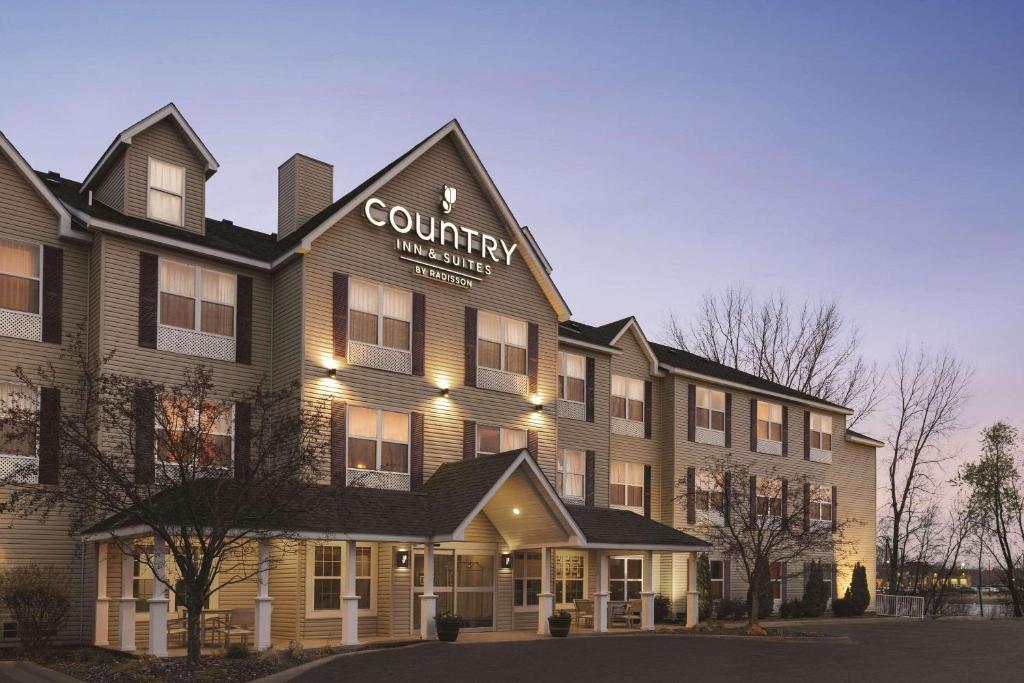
column 506, row 561
column 402, row 559
column 332, row 372
column 515, row 511
column 444, row 392
column 538, row 407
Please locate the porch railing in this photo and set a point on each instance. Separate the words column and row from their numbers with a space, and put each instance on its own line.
column 910, row 606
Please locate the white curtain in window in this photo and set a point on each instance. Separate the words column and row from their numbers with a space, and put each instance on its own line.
column 18, row 258
column 362, row 422
column 177, row 278
column 364, row 297
column 219, row 288
column 15, row 396
column 515, row 332
column 222, row 414
column 618, row 386
column 397, row 304
column 636, row 475
column 575, row 366
column 618, row 473
column 166, row 177
column 165, row 207
column 395, row 427
column 488, row 326
column 769, row 411
column 513, row 439
column 573, row 462
column 636, row 390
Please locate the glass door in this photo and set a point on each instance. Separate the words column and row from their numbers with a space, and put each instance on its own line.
column 463, row 583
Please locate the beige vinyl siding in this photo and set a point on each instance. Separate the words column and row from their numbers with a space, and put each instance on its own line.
column 287, row 325
column 357, row 248
column 304, row 188
column 166, row 142
column 111, row 189
column 284, row 587
column 596, row 435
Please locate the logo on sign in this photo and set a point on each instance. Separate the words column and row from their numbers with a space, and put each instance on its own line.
column 447, row 199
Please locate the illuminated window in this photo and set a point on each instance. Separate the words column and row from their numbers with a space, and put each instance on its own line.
column 710, row 412
column 571, row 476
column 378, row 440
column 626, row 485
column 20, row 274
column 380, row 315
column 195, row 298
column 327, row 577
column 821, row 432
column 627, row 398
column 769, row 421
column 569, row 576
column 821, row 504
column 166, row 198
column 769, row 497
column 178, row 425
column 491, row 440
column 501, row 343
column 572, row 377
column 709, row 494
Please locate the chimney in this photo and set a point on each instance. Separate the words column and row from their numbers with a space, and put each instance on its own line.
column 305, row 187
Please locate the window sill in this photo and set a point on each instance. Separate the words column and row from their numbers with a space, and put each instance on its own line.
column 195, row 343
column 767, row 447
column 572, row 410
column 379, row 357
column 711, row 437
column 500, row 380
column 21, row 325
column 710, row 518
column 626, row 427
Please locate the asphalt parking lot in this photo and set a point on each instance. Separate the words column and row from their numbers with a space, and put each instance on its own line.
column 949, row 650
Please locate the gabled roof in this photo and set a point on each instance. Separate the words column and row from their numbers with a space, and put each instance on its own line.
column 12, row 153
column 124, row 138
column 601, row 336
column 622, row 528
column 864, row 439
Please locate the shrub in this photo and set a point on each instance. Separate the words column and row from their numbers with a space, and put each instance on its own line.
column 704, row 586
column 731, row 609
column 236, row 651
column 816, row 595
column 448, row 619
column 858, row 590
column 662, row 609
column 765, row 600
column 792, row 609
column 40, row 599
column 844, row 607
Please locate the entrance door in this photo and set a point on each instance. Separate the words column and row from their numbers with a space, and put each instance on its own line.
column 463, row 583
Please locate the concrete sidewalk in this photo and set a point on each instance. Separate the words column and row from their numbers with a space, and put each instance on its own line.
column 27, row 672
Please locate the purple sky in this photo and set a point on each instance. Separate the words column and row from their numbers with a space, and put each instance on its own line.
column 870, row 151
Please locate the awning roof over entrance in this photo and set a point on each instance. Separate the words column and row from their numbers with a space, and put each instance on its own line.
column 509, row 488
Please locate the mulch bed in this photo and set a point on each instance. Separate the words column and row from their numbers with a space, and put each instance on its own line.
column 738, row 629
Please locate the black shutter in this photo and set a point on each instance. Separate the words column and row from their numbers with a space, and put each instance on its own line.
column 339, row 443
column 53, row 294
column 647, row 491
column 149, row 293
column 785, row 504
column 416, row 451
column 243, row 440
column 588, row 496
column 145, row 426
column 691, row 412
column 243, row 336
column 835, row 509
column 785, row 430
column 691, row 494
column 531, row 443
column 728, row 497
column 470, row 350
column 753, row 501
column 728, row 420
column 49, row 435
column 753, row 424
column 591, row 378
column 807, row 435
column 648, row 408
column 339, row 316
column 807, row 506
column 532, row 354
column 468, row 439
column 419, row 332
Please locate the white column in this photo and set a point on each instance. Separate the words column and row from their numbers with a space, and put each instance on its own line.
column 428, row 601
column 647, row 594
column 264, row 603
column 545, row 599
column 158, row 603
column 101, row 632
column 349, row 599
column 601, row 596
column 692, row 596
column 126, row 605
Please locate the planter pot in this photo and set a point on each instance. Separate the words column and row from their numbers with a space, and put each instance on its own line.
column 559, row 626
column 448, row 632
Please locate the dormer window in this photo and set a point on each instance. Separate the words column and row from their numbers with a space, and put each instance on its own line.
column 166, row 193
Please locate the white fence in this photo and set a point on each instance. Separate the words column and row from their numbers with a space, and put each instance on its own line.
column 911, row 606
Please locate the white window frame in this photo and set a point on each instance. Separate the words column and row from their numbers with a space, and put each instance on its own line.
column 171, row 572
column 380, row 440
column 708, row 512
column 195, row 415
column 769, row 421
column 821, row 432
column 199, row 270
column 820, row 496
column 311, row 567
column 712, row 580
column 706, row 393
column 380, row 313
column 525, row 552
column 39, row 249
column 27, row 459
column 561, row 473
column 502, row 431
column 150, row 188
column 628, row 466
column 563, row 375
column 558, row 583
column 625, row 569
column 503, row 321
column 643, row 406
column 760, row 485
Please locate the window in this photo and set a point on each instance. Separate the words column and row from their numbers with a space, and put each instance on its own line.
column 625, row 577
column 501, row 343
column 571, row 477
column 15, row 441
column 491, row 440
column 769, row 497
column 775, row 571
column 769, row 421
column 627, row 398
column 142, row 580
column 212, row 312
column 626, row 485
column 570, row 576
column 327, row 577
column 827, row 570
column 380, row 315
column 378, row 440
column 20, row 272
column 821, row 432
column 821, row 504
column 177, row 424
column 364, row 575
column 9, row 630
column 526, row 573
column 710, row 412
column 572, row 377
column 709, row 492
column 166, row 192
column 717, row 579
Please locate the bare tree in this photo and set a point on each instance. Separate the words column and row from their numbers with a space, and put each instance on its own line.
column 951, row 529
column 928, row 391
column 809, row 347
column 757, row 520
column 156, row 456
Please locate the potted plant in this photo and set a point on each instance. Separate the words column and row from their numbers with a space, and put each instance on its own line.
column 448, row 626
column 559, row 623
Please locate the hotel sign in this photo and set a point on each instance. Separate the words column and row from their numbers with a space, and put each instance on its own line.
column 438, row 248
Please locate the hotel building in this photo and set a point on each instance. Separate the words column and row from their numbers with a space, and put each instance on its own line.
column 526, row 459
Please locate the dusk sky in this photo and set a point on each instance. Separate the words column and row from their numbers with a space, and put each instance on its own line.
column 872, row 152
